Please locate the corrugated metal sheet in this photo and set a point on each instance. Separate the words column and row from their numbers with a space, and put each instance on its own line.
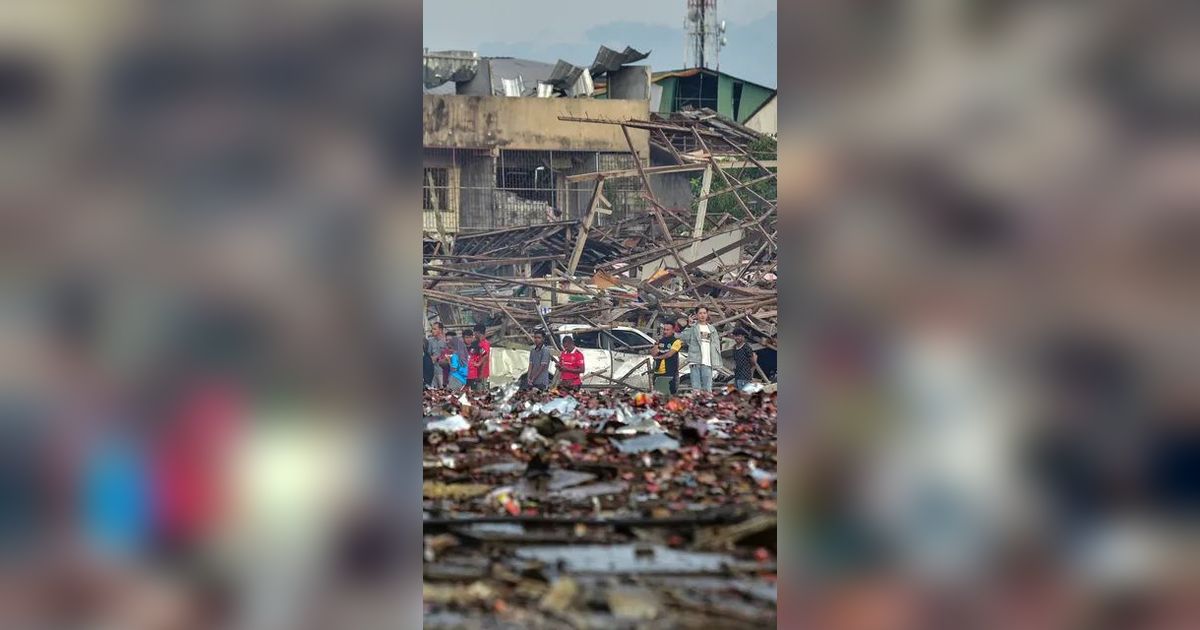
column 512, row 87
column 445, row 66
column 564, row 75
column 609, row 60
column 583, row 86
column 529, row 72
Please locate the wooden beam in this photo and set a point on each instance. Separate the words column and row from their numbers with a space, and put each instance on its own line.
column 736, row 196
column 632, row 172
column 728, row 162
column 437, row 213
column 597, row 195
column 707, row 196
column 662, row 224
column 509, row 313
column 702, row 210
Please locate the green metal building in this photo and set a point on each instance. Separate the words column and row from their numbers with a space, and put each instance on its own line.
column 675, row 90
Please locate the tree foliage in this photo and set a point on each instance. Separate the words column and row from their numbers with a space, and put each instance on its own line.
column 763, row 149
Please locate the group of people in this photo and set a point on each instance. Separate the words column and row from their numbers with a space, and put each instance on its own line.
column 702, row 341
column 570, row 364
column 453, row 362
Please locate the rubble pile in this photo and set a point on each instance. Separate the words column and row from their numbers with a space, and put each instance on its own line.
column 599, row 508
column 636, row 270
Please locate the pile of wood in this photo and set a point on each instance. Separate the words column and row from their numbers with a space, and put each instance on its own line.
column 525, row 278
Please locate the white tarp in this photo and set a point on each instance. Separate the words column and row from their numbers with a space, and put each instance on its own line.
column 507, row 365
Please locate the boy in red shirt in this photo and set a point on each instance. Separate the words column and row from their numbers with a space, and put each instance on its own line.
column 570, row 365
column 483, row 359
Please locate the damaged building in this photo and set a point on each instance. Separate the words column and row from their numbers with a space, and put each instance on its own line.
column 547, row 205
column 742, row 101
column 496, row 153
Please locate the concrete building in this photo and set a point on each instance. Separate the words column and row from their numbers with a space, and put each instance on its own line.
column 495, row 161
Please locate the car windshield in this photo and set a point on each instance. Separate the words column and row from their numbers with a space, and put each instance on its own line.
column 585, row 340
column 627, row 341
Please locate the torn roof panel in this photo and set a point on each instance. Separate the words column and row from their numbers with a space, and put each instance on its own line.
column 723, row 135
column 565, row 74
column 527, row 71
column 445, row 66
column 609, row 60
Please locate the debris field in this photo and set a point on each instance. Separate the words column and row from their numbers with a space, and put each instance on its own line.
column 600, row 508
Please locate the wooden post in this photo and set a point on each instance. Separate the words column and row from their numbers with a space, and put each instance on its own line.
column 437, row 215
column 587, row 225
column 662, row 225
column 702, row 210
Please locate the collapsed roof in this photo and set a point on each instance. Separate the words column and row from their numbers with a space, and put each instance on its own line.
column 457, row 66
column 724, row 136
column 509, row 76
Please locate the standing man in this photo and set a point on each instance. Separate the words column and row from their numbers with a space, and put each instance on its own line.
column 570, row 365
column 483, row 358
column 744, row 359
column 538, row 375
column 681, row 324
column 704, row 350
column 437, row 347
column 666, row 355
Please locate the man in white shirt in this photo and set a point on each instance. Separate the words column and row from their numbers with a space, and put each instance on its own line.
column 703, row 349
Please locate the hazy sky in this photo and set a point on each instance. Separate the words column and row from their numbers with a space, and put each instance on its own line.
column 547, row 30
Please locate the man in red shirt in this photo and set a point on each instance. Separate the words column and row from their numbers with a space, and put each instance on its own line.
column 483, row 360
column 570, row 365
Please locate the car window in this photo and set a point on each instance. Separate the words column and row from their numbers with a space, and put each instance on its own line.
column 587, row 340
column 627, row 341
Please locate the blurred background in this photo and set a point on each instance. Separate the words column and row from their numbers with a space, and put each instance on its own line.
column 207, row 357
column 204, row 399
column 993, row 326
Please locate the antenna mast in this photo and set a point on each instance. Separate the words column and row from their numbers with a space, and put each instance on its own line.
column 705, row 35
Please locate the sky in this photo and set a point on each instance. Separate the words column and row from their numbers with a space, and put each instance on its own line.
column 549, row 30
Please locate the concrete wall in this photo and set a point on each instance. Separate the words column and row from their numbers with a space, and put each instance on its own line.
column 674, row 190
column 454, row 121
column 630, row 83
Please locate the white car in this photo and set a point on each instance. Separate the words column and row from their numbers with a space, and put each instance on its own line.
column 619, row 354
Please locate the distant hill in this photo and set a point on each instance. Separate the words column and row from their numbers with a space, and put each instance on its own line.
column 752, row 52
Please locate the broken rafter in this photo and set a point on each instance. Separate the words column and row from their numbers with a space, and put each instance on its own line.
column 478, row 279
column 581, row 239
column 632, row 172
column 752, row 182
column 509, row 313
column 736, row 195
column 655, row 208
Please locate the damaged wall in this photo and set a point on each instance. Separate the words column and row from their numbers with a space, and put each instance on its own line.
column 630, row 83
column 530, row 123
column 674, row 190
